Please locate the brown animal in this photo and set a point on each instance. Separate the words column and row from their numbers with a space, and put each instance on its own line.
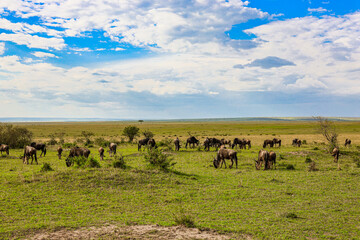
column 347, row 142
column 263, row 158
column 268, row 142
column 223, row 154
column 76, row 152
column 112, row 149
column 4, row 148
column 246, row 142
column 29, row 152
column 239, row 142
column 59, row 150
column 272, row 160
column 224, row 142
column 335, row 154
column 207, row 144
column 296, row 142
column 192, row 141
column 101, row 152
column 177, row 144
column 277, row 141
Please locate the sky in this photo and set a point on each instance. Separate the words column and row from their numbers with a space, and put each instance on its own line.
column 177, row 59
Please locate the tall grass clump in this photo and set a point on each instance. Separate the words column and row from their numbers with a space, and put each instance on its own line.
column 185, row 220
column 46, row 167
column 82, row 162
column 119, row 162
column 156, row 158
column 91, row 162
column 166, row 144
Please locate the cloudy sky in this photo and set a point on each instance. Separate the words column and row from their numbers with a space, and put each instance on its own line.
column 157, row 59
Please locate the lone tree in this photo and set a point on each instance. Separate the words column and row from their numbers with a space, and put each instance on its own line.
column 328, row 130
column 131, row 132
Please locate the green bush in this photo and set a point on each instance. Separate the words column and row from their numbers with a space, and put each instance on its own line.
column 159, row 159
column 100, row 141
column 166, row 144
column 308, row 160
column 290, row 167
column 119, row 162
column 92, row 163
column 78, row 161
column 46, row 167
column 131, row 132
column 69, row 145
column 15, row 137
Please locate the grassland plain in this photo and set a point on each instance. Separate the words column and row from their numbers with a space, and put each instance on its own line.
column 276, row 204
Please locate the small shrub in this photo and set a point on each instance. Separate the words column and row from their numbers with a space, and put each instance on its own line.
column 46, row 167
column 166, row 144
column 69, row 145
column 159, row 159
column 79, row 161
column 185, row 220
column 290, row 167
column 100, row 141
column 290, row 215
column 312, row 167
column 119, row 162
column 303, row 142
column 308, row 160
column 92, row 163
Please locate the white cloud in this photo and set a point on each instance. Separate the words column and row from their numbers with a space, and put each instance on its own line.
column 2, row 48
column 44, row 55
column 319, row 10
column 34, row 41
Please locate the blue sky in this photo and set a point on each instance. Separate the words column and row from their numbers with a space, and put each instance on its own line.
column 156, row 59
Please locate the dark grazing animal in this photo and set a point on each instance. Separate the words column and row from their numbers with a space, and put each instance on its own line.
column 112, row 149
column 101, row 153
column 296, row 142
column 76, row 152
column 224, row 142
column 246, row 142
column 143, row 142
column 268, row 142
column 152, row 143
column 59, row 150
column 207, row 144
column 214, row 142
column 177, row 144
column 277, row 141
column 39, row 146
column 347, row 142
column 29, row 152
column 272, row 160
column 236, row 142
column 335, row 154
column 263, row 158
column 192, row 141
column 4, row 148
column 223, row 154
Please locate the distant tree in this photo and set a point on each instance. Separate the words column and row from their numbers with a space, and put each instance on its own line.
column 131, row 132
column 327, row 128
column 148, row 134
column 140, row 121
column 15, row 137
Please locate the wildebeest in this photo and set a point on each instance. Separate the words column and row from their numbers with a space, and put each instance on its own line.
column 76, row 152
column 152, row 143
column 39, row 146
column 101, row 153
column 224, row 142
column 59, row 150
column 142, row 142
column 177, row 144
column 236, row 142
column 112, row 149
column 347, row 142
column 207, row 144
column 223, row 154
column 296, row 142
column 4, row 148
column 272, row 160
column 246, row 142
column 263, row 158
column 268, row 142
column 335, row 154
column 277, row 141
column 214, row 142
column 29, row 152
column 192, row 140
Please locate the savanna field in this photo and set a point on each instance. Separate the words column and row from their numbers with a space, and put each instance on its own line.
column 307, row 196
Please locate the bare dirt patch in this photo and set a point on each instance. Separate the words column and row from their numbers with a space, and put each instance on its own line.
column 134, row 232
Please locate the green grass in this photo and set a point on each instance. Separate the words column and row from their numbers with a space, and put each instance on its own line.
column 274, row 204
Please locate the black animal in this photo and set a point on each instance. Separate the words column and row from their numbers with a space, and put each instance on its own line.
column 236, row 142
column 277, row 141
column 246, row 142
column 263, row 158
column 214, row 142
column 29, row 152
column 143, row 142
column 152, row 143
column 207, row 144
column 224, row 142
column 335, row 154
column 177, row 144
column 4, row 148
column 268, row 142
column 76, row 152
column 112, row 149
column 101, row 153
column 39, row 146
column 296, row 142
column 192, row 141
column 272, row 160
column 223, row 154
column 347, row 142
column 59, row 150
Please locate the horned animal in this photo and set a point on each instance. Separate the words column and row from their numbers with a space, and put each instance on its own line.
column 223, row 154
column 29, row 152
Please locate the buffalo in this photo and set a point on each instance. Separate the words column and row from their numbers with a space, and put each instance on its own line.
column 76, row 152
column 263, row 158
column 177, row 144
column 39, row 146
column 223, row 154
column 112, row 149
column 192, row 141
column 4, row 148
column 29, row 152
column 59, row 150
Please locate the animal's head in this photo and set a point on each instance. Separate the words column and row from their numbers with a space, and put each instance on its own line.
column 216, row 163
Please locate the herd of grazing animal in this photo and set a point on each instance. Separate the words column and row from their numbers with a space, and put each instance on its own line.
column 268, row 159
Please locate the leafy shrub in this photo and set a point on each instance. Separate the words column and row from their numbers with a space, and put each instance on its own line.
column 303, row 142
column 69, row 145
column 52, row 140
column 131, row 132
column 159, row 159
column 185, row 220
column 312, row 167
column 119, row 162
column 78, row 161
column 308, row 160
column 15, row 137
column 46, row 167
column 290, row 167
column 166, row 144
column 148, row 134
column 100, row 141
column 92, row 163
